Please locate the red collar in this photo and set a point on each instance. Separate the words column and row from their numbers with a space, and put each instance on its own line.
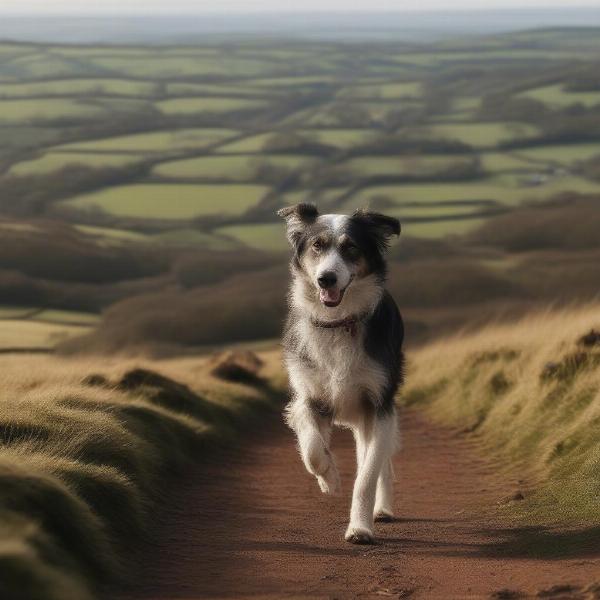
column 349, row 323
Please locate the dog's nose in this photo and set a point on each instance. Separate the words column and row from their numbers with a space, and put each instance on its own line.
column 327, row 279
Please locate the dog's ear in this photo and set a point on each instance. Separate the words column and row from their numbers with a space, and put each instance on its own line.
column 297, row 218
column 380, row 227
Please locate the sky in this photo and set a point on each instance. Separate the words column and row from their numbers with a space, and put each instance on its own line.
column 83, row 7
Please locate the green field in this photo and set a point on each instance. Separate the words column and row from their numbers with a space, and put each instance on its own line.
column 170, row 201
column 269, row 237
column 556, row 95
column 161, row 141
column 47, row 110
column 230, row 168
column 253, row 143
column 339, row 138
column 384, row 91
column 55, row 161
column 567, row 154
column 165, row 67
column 187, row 106
column 403, row 166
column 505, row 161
column 482, row 135
column 77, row 87
column 497, row 189
column 220, row 127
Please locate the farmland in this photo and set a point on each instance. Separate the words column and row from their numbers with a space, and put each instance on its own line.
column 139, row 187
column 152, row 163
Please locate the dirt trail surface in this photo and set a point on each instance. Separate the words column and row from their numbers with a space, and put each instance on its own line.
column 251, row 523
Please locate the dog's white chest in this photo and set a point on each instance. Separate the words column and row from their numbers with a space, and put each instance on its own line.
column 338, row 371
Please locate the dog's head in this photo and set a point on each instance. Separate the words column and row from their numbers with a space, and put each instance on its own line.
column 332, row 252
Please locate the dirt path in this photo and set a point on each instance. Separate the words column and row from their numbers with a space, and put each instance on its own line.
column 252, row 524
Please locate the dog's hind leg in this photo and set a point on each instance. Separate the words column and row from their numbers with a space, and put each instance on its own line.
column 314, row 431
column 376, row 434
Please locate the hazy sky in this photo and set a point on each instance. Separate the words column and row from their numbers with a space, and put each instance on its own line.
column 40, row 7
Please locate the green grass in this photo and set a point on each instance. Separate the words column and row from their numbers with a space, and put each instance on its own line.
column 498, row 189
column 190, row 106
column 45, row 66
column 540, row 421
column 213, row 89
column 415, row 166
column 75, row 87
column 322, row 196
column 170, row 201
column 567, row 154
column 46, row 110
column 482, row 135
column 556, row 95
column 54, row 161
column 233, row 168
column 250, row 144
column 87, row 450
column 285, row 82
column 166, row 67
column 494, row 162
column 339, row 138
column 440, row 229
column 378, row 112
column 155, row 142
column 266, row 236
column 383, row 91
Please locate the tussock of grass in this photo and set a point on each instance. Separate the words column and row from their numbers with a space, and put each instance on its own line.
column 85, row 449
column 531, row 393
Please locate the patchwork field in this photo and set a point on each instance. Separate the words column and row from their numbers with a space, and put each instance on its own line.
column 170, row 201
column 47, row 110
column 198, row 135
column 557, row 95
column 162, row 141
column 55, row 161
column 234, row 168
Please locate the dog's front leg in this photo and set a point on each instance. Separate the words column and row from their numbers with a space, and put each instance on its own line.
column 313, row 432
column 373, row 436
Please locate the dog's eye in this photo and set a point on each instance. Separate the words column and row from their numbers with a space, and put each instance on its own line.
column 317, row 245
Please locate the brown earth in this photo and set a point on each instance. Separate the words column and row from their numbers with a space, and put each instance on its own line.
column 251, row 523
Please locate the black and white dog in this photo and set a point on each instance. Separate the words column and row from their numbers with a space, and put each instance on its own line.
column 343, row 353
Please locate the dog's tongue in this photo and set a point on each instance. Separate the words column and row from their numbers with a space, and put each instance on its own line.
column 329, row 296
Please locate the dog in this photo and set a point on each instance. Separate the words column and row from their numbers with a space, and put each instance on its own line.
column 343, row 353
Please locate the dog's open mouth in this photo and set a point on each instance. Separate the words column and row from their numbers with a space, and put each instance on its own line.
column 331, row 297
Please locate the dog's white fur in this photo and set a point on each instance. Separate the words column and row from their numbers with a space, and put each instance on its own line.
column 345, row 372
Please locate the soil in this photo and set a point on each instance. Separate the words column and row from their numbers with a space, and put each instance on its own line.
column 251, row 523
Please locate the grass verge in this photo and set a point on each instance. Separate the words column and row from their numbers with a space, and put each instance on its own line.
column 88, row 448
column 531, row 393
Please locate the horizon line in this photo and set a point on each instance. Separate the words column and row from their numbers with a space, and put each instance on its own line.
column 317, row 12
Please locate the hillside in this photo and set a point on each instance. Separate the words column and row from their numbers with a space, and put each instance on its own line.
column 88, row 452
column 530, row 393
column 134, row 176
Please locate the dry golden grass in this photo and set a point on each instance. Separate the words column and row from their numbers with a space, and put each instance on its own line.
column 86, row 446
column 531, row 393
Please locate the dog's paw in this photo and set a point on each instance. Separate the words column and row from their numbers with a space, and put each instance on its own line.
column 329, row 482
column 383, row 516
column 359, row 535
